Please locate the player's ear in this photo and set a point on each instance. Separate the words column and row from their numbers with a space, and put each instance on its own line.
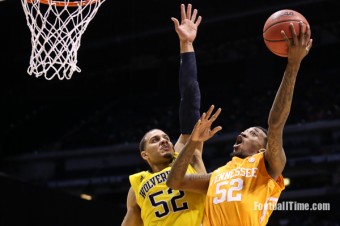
column 144, row 155
column 261, row 150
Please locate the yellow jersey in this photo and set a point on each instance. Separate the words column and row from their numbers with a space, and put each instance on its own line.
column 163, row 206
column 241, row 193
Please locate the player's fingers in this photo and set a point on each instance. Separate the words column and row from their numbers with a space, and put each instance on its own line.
column 183, row 15
column 198, row 21
column 308, row 32
column 303, row 33
column 197, row 125
column 285, row 37
column 215, row 130
column 309, row 45
column 189, row 8
column 210, row 110
column 194, row 15
column 176, row 22
column 215, row 116
column 203, row 116
column 294, row 36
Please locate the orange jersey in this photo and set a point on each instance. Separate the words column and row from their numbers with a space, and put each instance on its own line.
column 240, row 193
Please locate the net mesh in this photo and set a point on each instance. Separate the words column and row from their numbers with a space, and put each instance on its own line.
column 56, row 30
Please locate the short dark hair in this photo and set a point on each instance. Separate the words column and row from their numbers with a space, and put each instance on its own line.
column 142, row 141
column 263, row 129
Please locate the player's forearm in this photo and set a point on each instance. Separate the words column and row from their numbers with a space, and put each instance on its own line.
column 197, row 160
column 190, row 103
column 188, row 69
column 282, row 103
column 278, row 116
column 180, row 166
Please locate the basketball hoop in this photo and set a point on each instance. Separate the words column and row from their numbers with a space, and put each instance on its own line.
column 56, row 30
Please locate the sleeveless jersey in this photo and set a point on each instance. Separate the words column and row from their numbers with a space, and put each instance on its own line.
column 241, row 193
column 163, row 206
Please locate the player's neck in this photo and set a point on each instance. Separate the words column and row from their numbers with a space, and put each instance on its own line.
column 159, row 167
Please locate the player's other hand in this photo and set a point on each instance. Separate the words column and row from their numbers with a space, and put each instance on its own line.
column 202, row 130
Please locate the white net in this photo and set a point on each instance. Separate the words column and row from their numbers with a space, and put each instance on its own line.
column 56, row 29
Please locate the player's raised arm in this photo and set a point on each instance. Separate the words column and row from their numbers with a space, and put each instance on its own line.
column 190, row 102
column 299, row 47
column 177, row 178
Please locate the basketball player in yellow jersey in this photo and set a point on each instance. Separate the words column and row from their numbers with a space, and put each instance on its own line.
column 150, row 202
column 161, row 205
column 245, row 191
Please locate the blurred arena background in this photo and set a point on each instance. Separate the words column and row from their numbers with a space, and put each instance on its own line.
column 61, row 139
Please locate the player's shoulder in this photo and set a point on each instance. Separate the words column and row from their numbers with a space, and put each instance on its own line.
column 139, row 176
column 254, row 159
column 140, row 173
column 257, row 156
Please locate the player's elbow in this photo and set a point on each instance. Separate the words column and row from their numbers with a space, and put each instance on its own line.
column 276, row 165
column 173, row 184
column 283, row 161
column 279, row 161
column 281, row 158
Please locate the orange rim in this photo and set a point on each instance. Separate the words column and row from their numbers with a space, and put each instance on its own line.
column 63, row 3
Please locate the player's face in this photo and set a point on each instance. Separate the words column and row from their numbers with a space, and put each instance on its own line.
column 249, row 142
column 158, row 148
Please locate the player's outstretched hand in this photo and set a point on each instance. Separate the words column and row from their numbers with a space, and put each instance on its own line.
column 299, row 45
column 187, row 29
column 202, row 130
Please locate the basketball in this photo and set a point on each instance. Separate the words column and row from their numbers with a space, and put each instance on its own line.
column 277, row 22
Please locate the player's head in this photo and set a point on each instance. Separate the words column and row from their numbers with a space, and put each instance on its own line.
column 156, row 147
column 251, row 141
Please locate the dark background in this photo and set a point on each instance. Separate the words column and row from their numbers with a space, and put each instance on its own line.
column 62, row 138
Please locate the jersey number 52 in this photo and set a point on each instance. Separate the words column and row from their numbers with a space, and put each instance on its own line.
column 174, row 203
column 230, row 194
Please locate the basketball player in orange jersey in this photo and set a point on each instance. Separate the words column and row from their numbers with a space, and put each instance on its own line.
column 245, row 191
column 150, row 201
